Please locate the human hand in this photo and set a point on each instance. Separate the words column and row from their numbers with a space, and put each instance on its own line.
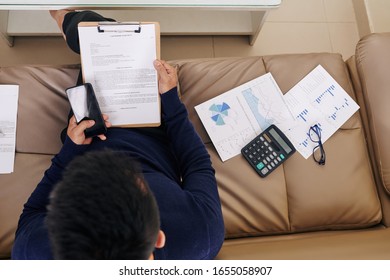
column 76, row 131
column 167, row 76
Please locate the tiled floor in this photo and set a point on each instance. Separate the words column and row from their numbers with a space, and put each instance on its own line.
column 298, row 26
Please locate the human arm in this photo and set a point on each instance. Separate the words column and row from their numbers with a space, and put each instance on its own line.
column 31, row 238
column 75, row 144
column 186, row 143
column 200, row 198
column 68, row 20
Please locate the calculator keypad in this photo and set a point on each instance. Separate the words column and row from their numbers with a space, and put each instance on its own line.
column 262, row 155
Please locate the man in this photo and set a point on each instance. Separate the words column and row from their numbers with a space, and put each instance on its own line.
column 98, row 198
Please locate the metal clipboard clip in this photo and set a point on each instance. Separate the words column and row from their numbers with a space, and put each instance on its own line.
column 107, row 26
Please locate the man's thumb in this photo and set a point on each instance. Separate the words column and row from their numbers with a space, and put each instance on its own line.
column 157, row 64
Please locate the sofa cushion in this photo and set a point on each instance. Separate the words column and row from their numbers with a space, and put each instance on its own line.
column 371, row 244
column 341, row 194
column 372, row 61
column 42, row 113
column 43, row 105
column 15, row 189
column 299, row 196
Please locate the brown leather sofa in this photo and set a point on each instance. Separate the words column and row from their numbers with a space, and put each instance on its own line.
column 302, row 210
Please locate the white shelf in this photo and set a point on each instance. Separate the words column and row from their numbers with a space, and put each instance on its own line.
column 176, row 18
column 58, row 4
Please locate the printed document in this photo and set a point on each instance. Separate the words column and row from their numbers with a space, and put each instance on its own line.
column 235, row 117
column 8, row 115
column 317, row 99
column 118, row 61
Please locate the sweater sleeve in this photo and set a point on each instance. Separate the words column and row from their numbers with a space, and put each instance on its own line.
column 39, row 199
column 198, row 175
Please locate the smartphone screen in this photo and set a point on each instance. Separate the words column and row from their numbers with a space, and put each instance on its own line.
column 78, row 98
column 84, row 105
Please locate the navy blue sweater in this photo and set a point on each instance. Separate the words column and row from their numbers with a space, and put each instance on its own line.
column 176, row 166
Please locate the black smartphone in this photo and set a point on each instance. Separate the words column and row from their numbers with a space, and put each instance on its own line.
column 85, row 106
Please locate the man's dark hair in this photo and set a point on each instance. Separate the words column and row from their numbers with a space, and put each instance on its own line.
column 103, row 209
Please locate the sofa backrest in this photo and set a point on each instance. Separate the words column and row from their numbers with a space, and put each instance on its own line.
column 42, row 114
column 42, row 104
column 369, row 69
column 299, row 196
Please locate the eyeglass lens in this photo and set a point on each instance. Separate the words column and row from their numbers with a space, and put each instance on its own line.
column 318, row 151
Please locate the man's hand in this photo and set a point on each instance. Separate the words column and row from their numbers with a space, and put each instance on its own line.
column 167, row 76
column 76, row 131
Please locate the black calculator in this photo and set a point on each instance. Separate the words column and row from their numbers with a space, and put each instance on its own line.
column 268, row 150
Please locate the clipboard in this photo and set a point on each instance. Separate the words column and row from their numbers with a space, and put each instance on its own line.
column 109, row 26
column 117, row 59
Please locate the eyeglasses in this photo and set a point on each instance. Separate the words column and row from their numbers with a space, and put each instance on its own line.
column 318, row 151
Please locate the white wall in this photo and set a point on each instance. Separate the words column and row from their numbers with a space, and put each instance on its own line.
column 372, row 16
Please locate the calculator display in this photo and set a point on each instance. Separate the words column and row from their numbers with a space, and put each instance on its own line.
column 279, row 139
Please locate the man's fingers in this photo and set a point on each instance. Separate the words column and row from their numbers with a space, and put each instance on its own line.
column 159, row 66
column 163, row 68
column 84, row 125
column 168, row 67
column 72, row 122
column 167, row 78
column 105, row 118
column 102, row 137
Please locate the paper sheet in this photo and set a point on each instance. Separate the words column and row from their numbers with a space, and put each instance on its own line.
column 119, row 65
column 235, row 117
column 317, row 99
column 8, row 114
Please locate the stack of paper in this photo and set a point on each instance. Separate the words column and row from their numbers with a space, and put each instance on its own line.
column 117, row 59
column 8, row 112
column 235, row 117
column 317, row 99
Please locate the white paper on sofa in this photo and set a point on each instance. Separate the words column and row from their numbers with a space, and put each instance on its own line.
column 235, row 117
column 8, row 114
column 317, row 99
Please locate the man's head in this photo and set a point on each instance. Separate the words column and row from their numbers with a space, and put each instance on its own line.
column 103, row 209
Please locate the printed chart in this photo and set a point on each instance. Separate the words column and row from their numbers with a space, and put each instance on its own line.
column 235, row 117
column 317, row 99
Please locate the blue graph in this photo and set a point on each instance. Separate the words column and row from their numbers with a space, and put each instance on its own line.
column 303, row 115
column 305, row 143
column 261, row 116
column 219, row 112
column 333, row 116
column 327, row 92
